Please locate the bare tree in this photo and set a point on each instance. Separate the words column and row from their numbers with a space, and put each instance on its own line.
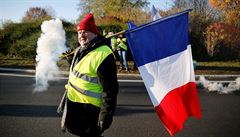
column 36, row 13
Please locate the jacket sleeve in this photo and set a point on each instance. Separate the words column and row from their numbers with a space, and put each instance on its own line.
column 107, row 74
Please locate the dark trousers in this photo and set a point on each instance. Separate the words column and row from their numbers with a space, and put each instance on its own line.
column 82, row 119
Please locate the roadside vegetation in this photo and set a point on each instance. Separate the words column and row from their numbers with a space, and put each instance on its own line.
column 214, row 67
column 218, row 67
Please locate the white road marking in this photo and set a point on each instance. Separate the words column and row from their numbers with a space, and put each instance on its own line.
column 62, row 77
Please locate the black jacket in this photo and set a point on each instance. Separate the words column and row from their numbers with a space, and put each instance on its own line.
column 82, row 119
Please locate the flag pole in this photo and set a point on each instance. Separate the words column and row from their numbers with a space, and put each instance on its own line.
column 118, row 33
column 123, row 31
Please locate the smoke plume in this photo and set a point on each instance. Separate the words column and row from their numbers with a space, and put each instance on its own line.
column 219, row 87
column 50, row 45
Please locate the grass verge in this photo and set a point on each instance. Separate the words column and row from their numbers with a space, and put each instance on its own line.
column 229, row 67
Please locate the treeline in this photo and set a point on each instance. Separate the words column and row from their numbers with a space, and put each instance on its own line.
column 214, row 26
column 19, row 40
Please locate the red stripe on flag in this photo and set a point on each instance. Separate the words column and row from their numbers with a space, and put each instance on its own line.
column 177, row 105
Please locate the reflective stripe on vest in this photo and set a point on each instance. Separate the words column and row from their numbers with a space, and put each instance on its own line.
column 83, row 84
column 85, row 77
column 85, row 92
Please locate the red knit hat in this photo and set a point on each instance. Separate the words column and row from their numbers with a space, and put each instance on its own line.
column 88, row 24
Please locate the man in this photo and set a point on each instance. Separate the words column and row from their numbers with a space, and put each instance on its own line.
column 113, row 41
column 122, row 52
column 92, row 86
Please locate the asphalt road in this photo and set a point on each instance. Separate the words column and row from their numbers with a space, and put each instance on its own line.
column 24, row 113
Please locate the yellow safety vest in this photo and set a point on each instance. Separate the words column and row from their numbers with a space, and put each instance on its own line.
column 121, row 43
column 83, row 85
column 114, row 43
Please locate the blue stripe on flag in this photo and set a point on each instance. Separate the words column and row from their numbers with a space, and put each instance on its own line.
column 159, row 39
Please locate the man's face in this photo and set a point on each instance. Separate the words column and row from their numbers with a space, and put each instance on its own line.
column 84, row 37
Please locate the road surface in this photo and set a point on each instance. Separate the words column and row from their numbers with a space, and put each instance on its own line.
column 24, row 113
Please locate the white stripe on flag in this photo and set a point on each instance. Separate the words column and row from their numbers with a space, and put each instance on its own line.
column 162, row 76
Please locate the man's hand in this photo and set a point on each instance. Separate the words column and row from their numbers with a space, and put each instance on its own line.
column 68, row 52
column 68, row 55
column 103, row 126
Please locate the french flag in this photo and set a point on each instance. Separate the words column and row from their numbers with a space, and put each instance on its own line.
column 162, row 53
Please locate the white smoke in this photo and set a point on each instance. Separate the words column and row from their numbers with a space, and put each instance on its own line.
column 50, row 45
column 219, row 87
